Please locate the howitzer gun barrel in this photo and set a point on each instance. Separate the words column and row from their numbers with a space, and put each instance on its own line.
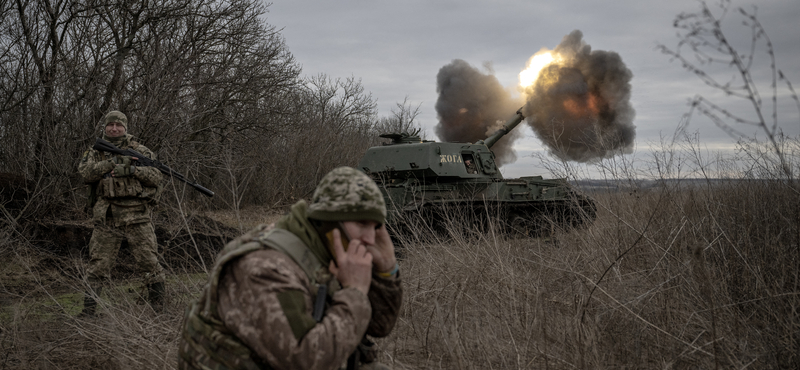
column 507, row 127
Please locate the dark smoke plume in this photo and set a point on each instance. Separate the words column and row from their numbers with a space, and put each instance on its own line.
column 580, row 106
column 473, row 105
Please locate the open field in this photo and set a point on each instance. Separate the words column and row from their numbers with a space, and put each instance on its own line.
column 669, row 277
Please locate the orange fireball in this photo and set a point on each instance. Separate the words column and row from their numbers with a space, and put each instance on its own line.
column 582, row 106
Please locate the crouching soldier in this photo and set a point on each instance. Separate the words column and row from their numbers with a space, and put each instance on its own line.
column 302, row 293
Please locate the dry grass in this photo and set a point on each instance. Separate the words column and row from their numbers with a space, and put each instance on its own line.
column 247, row 218
column 675, row 276
column 668, row 278
column 40, row 327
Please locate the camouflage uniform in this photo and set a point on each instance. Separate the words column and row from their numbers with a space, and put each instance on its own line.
column 256, row 310
column 122, row 210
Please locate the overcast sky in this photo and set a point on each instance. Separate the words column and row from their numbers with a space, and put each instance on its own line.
column 396, row 48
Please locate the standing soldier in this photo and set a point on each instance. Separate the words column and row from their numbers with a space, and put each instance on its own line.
column 302, row 293
column 124, row 197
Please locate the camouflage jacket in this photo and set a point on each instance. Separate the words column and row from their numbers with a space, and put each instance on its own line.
column 129, row 198
column 265, row 300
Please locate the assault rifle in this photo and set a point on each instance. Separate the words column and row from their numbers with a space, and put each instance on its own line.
column 141, row 160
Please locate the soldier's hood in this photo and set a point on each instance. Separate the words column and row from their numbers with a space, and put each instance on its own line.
column 296, row 221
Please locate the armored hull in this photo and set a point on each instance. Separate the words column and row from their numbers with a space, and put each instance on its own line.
column 439, row 181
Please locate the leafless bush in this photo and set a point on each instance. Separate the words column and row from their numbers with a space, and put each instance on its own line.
column 706, row 49
column 402, row 119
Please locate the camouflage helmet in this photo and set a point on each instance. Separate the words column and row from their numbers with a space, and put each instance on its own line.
column 347, row 194
column 116, row 116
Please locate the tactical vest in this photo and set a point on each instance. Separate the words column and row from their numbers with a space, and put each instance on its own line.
column 207, row 343
column 124, row 187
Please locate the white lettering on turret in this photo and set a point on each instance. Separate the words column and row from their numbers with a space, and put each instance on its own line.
column 450, row 158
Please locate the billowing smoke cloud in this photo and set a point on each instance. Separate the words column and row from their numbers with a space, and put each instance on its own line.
column 579, row 106
column 472, row 105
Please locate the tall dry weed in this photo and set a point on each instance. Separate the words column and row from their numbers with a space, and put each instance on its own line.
column 674, row 273
column 697, row 276
column 41, row 295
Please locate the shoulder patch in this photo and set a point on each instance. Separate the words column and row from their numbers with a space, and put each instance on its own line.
column 293, row 303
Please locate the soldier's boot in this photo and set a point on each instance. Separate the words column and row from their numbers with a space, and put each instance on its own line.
column 155, row 296
column 89, row 303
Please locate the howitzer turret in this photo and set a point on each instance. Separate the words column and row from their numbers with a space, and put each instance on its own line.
column 428, row 178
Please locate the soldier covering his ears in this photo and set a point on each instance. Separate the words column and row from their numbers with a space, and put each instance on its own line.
column 302, row 293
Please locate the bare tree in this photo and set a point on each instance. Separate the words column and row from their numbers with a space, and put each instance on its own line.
column 704, row 46
column 402, row 119
column 332, row 126
column 196, row 78
column 192, row 76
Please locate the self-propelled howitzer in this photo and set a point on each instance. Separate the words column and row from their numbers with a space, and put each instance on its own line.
column 440, row 181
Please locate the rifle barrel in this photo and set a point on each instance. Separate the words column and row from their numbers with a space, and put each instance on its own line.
column 106, row 146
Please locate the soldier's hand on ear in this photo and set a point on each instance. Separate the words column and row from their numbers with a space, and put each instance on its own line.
column 353, row 268
column 383, row 258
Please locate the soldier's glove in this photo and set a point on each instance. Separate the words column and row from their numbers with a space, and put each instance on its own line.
column 123, row 167
column 105, row 167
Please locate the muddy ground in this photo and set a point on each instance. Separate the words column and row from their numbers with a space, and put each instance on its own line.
column 49, row 257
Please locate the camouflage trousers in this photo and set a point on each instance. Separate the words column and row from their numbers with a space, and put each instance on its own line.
column 105, row 243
